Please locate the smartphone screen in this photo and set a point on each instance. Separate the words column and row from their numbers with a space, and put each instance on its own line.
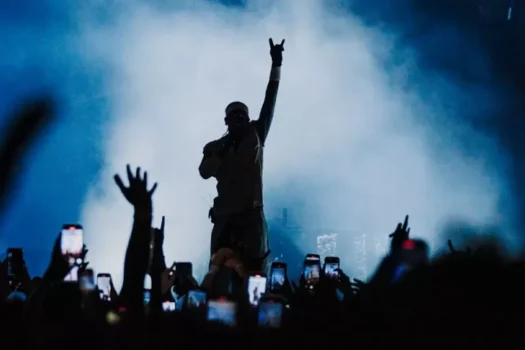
column 270, row 314
column 196, row 299
column 277, row 277
column 256, row 288
column 72, row 275
column 223, row 311
column 168, row 306
column 312, row 271
column 147, row 289
column 87, row 281
column 72, row 243
column 147, row 296
column 104, row 286
column 331, row 267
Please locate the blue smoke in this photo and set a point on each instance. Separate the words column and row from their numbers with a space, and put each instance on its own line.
column 40, row 55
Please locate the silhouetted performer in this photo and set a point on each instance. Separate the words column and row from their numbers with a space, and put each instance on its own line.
column 236, row 161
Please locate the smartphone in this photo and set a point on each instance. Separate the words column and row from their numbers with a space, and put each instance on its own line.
column 277, row 276
column 172, row 269
column 413, row 253
column 168, row 306
column 72, row 243
column 270, row 314
column 312, row 270
column 147, row 289
column 104, row 286
column 256, row 288
column 223, row 311
column 196, row 299
column 15, row 256
column 72, row 275
column 331, row 267
column 183, row 270
column 87, row 281
column 313, row 258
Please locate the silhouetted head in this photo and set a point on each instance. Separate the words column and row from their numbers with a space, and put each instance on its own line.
column 64, row 301
column 414, row 252
column 36, row 282
column 237, row 118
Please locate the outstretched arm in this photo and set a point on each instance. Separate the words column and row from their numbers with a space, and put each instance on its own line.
column 266, row 117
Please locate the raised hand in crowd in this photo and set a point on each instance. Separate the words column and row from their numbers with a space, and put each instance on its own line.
column 84, row 264
column 138, row 253
column 137, row 193
column 58, row 267
column 159, row 262
column 167, row 279
column 401, row 234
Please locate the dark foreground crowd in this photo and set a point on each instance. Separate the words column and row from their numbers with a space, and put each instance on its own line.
column 463, row 299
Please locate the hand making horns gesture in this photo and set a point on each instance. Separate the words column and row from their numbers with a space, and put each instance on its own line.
column 276, row 51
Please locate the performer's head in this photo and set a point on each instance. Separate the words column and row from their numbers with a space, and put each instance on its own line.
column 237, row 117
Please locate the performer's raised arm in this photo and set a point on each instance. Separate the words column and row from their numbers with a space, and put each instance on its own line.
column 265, row 118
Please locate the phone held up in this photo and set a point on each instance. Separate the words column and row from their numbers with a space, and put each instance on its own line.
column 169, row 306
column 331, row 267
column 278, row 277
column 71, row 247
column 15, row 258
column 223, row 311
column 183, row 277
column 270, row 313
column 312, row 271
column 196, row 300
column 87, row 281
column 414, row 252
column 104, row 286
column 183, row 270
column 172, row 269
column 256, row 287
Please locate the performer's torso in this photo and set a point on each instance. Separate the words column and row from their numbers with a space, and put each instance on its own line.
column 239, row 180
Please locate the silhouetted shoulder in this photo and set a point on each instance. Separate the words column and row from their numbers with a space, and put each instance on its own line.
column 213, row 145
column 255, row 125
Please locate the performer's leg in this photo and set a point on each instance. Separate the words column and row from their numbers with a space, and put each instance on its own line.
column 256, row 241
column 222, row 280
column 222, row 284
column 239, row 288
column 217, row 235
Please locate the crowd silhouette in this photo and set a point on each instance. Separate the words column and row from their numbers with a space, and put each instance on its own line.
column 464, row 298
